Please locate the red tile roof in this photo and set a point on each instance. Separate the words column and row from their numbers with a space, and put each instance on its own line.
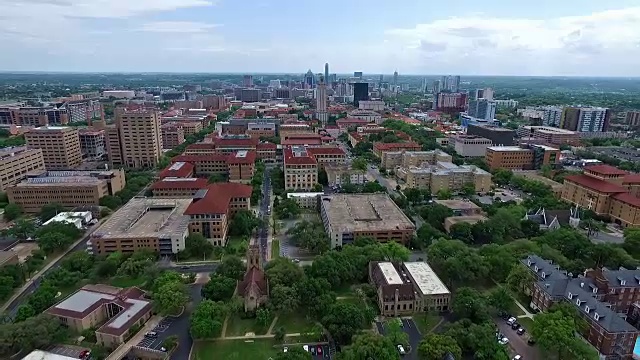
column 195, row 158
column 350, row 121
column 254, row 278
column 266, row 146
column 627, row 199
column 326, row 151
column 248, row 158
column 201, row 146
column 178, row 169
column 290, row 159
column 631, row 179
column 605, row 170
column 223, row 142
column 215, row 198
column 387, row 146
column 595, row 184
column 179, row 183
column 298, row 141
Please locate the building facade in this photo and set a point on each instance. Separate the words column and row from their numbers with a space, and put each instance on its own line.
column 16, row 163
column 60, row 146
column 172, row 135
column 139, row 138
column 525, row 157
column 470, row 145
column 585, row 119
column 498, row 135
column 92, row 143
column 300, row 169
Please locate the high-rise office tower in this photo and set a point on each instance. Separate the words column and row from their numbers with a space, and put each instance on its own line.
column 247, row 81
column 360, row 92
column 309, row 79
column 380, row 81
column 483, row 94
column 482, row 109
column 326, row 74
column 455, row 86
column 357, row 74
column 321, row 102
column 444, row 83
column 395, row 78
column 585, row 119
column 437, row 87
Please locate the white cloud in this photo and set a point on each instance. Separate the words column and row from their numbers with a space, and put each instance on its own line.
column 177, row 27
column 598, row 43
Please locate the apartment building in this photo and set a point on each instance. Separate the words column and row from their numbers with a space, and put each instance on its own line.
column 407, row 288
column 524, row 157
column 213, row 208
column 306, row 200
column 116, row 312
column 157, row 224
column 395, row 159
column 342, row 174
column 470, row 145
column 16, row 163
column 60, row 146
column 189, row 127
column 172, row 188
column 326, row 155
column 136, row 139
column 178, row 169
column 602, row 297
column 92, row 143
column 172, row 135
column 346, row 123
column 83, row 110
column 205, row 165
column 33, row 116
column 497, row 135
column 67, row 188
column 241, row 166
column 300, row 169
column 585, row 119
column 632, row 118
column 258, row 130
column 549, row 135
column 349, row 216
column 607, row 191
column 445, row 176
column 380, row 147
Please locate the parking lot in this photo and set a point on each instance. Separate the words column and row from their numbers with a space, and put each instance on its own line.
column 155, row 343
column 518, row 343
column 313, row 349
column 410, row 328
column 68, row 350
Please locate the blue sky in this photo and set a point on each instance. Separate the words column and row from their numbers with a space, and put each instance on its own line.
column 491, row 37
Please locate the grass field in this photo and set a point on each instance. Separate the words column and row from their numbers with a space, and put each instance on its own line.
column 294, row 323
column 426, row 321
column 259, row 349
column 125, row 281
column 275, row 249
column 237, row 326
column 526, row 323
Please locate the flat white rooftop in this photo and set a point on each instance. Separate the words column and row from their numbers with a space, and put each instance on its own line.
column 425, row 278
column 45, row 355
column 390, row 273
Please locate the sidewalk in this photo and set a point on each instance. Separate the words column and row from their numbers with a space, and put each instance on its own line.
column 123, row 349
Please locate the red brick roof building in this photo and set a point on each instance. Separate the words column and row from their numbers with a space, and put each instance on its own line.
column 177, row 187
column 379, row 147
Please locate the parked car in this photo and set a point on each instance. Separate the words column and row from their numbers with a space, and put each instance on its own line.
column 285, row 349
column 503, row 341
column 520, row 331
column 84, row 354
column 401, row 350
column 151, row 334
column 511, row 320
column 515, row 326
column 517, row 357
column 531, row 341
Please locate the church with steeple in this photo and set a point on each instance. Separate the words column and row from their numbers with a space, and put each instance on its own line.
column 254, row 287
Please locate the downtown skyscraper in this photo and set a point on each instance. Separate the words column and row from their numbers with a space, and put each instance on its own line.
column 326, row 74
column 321, row 102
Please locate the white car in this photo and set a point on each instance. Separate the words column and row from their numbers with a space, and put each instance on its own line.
column 285, row 349
column 511, row 320
column 503, row 341
column 305, row 348
column 517, row 357
column 401, row 350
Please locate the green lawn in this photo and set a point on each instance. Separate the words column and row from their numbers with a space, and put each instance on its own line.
column 515, row 310
column 526, row 323
column 426, row 321
column 125, row 281
column 275, row 249
column 259, row 349
column 237, row 326
column 294, row 323
column 345, row 290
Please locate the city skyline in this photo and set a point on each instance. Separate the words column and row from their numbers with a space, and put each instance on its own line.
column 495, row 37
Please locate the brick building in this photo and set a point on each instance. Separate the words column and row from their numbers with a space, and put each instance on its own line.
column 525, row 157
column 60, row 146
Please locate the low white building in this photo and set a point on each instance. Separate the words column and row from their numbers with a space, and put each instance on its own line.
column 374, row 105
column 119, row 94
column 368, row 115
column 78, row 219
column 306, row 200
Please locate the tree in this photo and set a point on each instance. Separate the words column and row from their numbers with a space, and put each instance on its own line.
column 468, row 189
column 284, row 298
column 294, row 353
column 50, row 210
column 500, row 298
column 170, row 297
column 344, row 320
column 462, row 231
column 216, row 178
column 111, row 201
column 219, row 288
column 554, row 332
column 53, row 241
column 282, row 271
column 470, row 304
column 435, row 215
column 395, row 252
column 279, row 333
column 23, row 229
column 243, row 223
column 632, row 242
column 520, row 279
column 370, row 346
column 24, row 312
column 426, row 234
column 170, row 342
column 231, row 267
column 263, row 317
column 133, row 267
column 436, row 346
column 395, row 332
column 197, row 245
column 477, row 339
column 444, row 194
column 359, row 163
column 11, row 212
column 206, row 320
column 456, row 263
column 502, row 177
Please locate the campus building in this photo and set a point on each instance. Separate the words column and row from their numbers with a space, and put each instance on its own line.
column 525, row 157
column 349, row 216
column 549, row 135
column 172, row 135
column 394, row 159
column 602, row 297
column 379, row 147
column 300, row 169
column 157, row 224
column 92, row 143
column 341, row 174
column 116, row 312
column 607, row 191
column 213, row 207
column 445, row 176
column 237, row 167
column 406, row 288
column 470, row 145
column 16, row 163
column 135, row 141
column 497, row 135
column 60, row 146
column 177, row 187
column 67, row 188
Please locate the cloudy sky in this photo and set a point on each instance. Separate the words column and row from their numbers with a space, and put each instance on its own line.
column 467, row 37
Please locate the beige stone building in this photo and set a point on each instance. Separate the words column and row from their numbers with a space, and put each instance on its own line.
column 16, row 163
column 67, row 188
column 172, row 135
column 115, row 312
column 341, row 174
column 445, row 176
column 300, row 169
column 470, row 145
column 393, row 159
column 135, row 141
column 407, row 288
column 60, row 146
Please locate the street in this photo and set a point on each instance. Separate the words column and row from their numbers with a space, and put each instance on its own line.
column 517, row 342
column 410, row 328
column 265, row 215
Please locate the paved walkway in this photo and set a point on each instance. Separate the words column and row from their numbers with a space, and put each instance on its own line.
column 527, row 314
column 273, row 324
column 123, row 349
column 268, row 336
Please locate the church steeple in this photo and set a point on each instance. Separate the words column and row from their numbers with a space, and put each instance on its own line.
column 254, row 258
